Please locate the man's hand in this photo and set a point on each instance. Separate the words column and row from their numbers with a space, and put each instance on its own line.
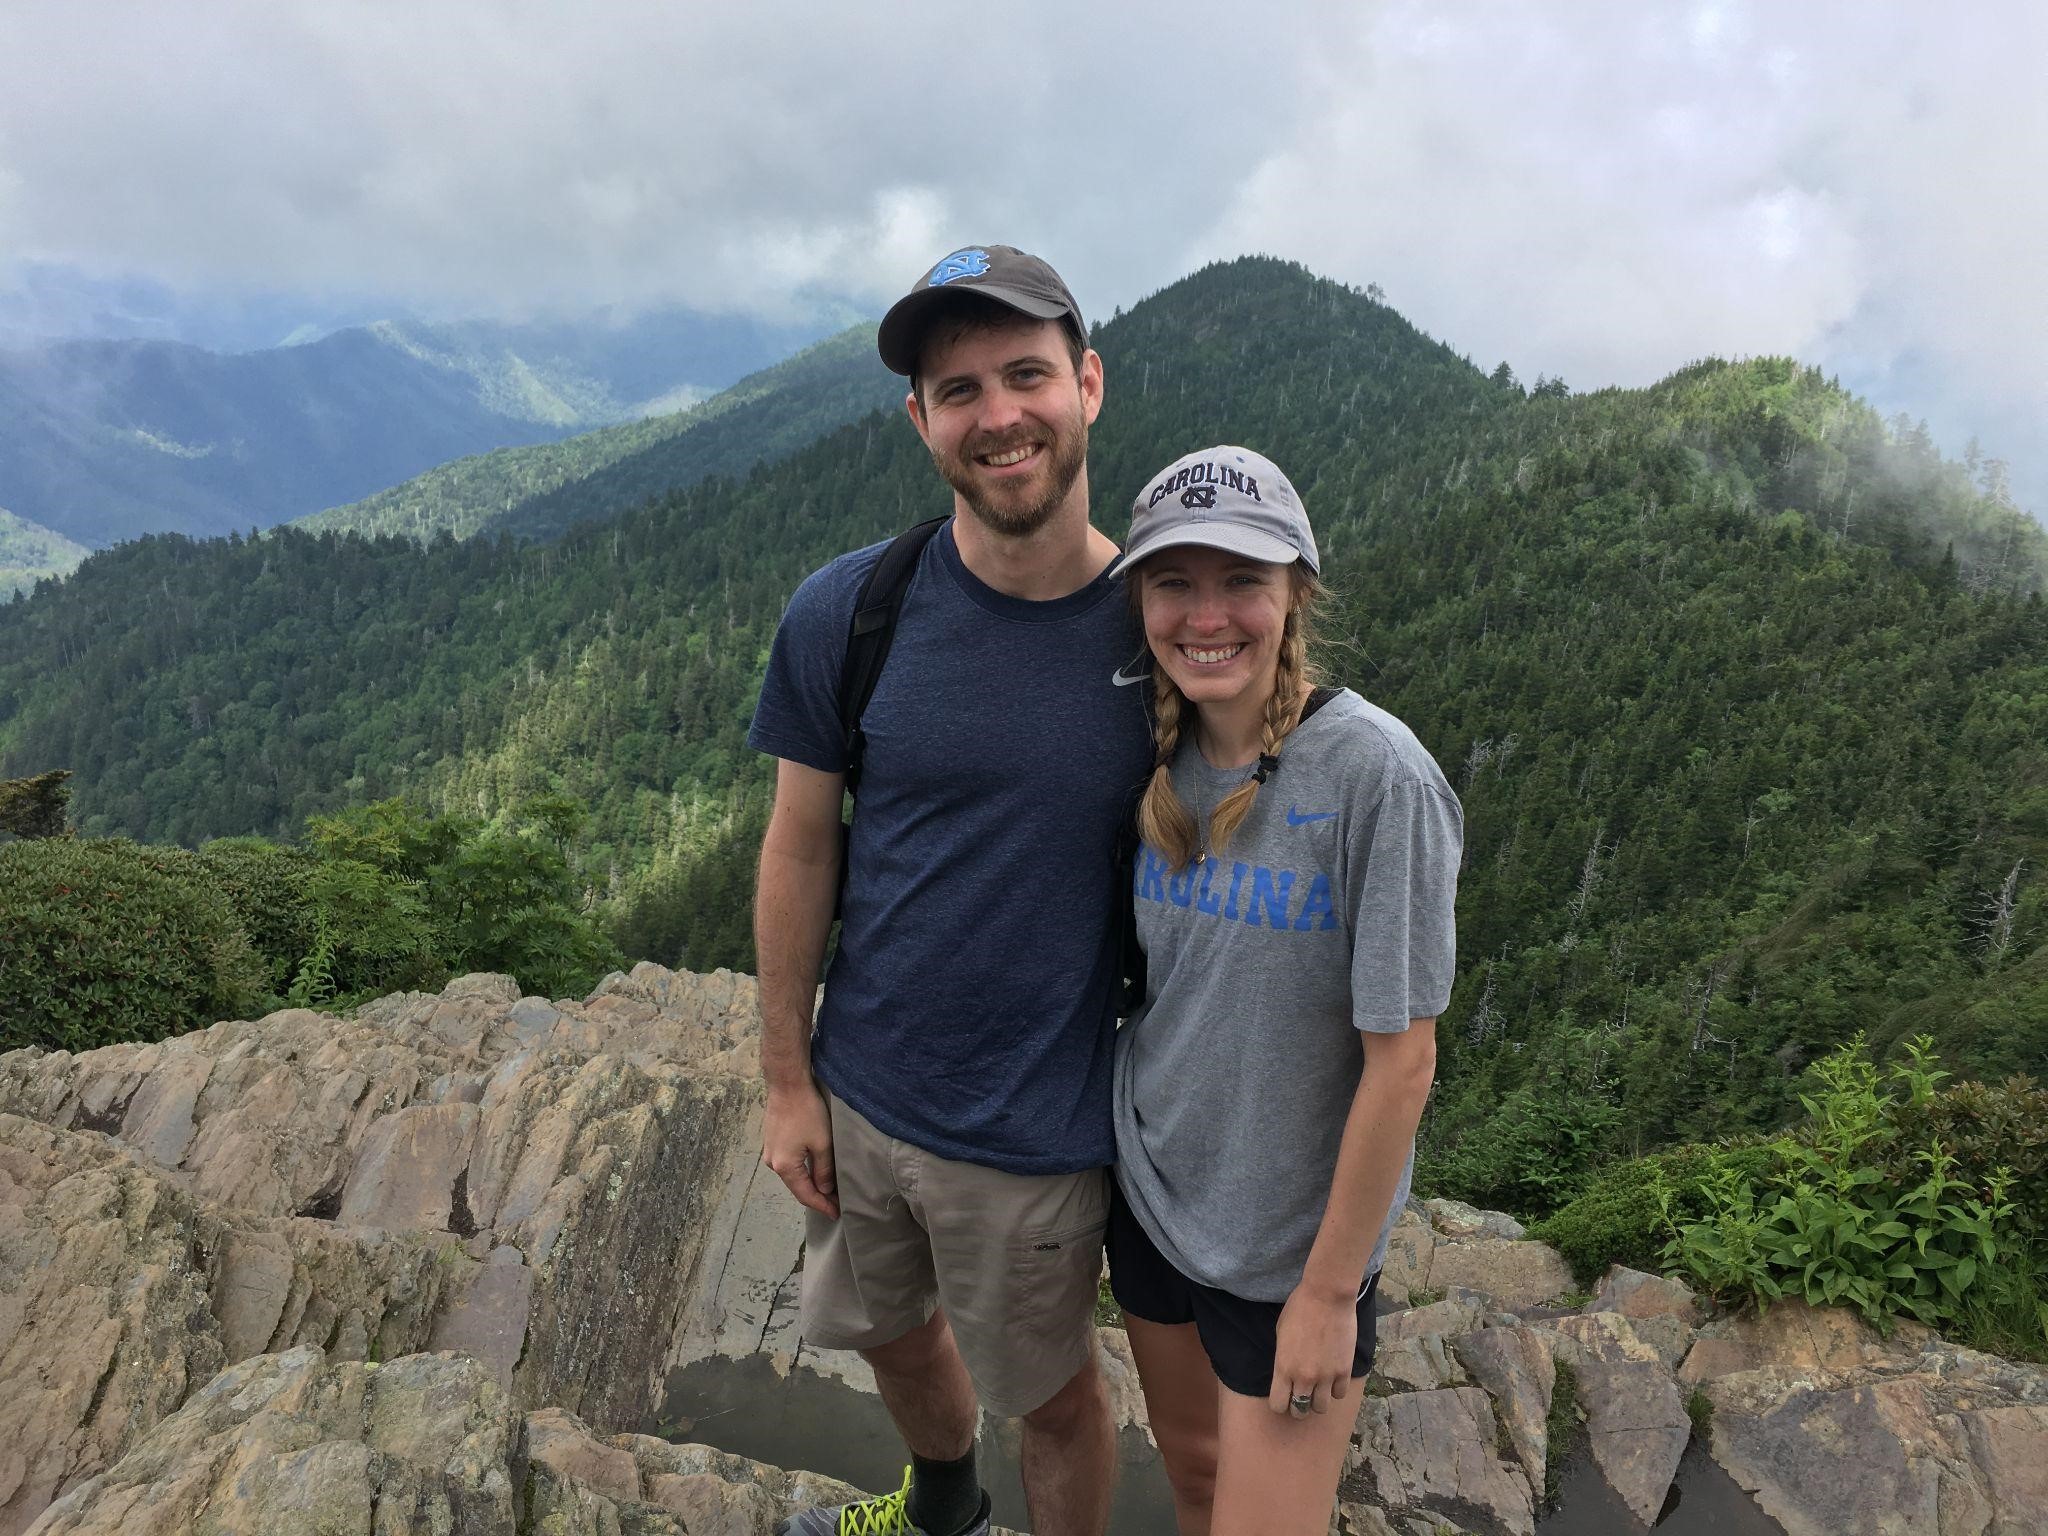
column 796, row 1142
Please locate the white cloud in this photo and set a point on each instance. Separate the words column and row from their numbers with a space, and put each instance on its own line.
column 1605, row 190
column 481, row 154
column 1593, row 188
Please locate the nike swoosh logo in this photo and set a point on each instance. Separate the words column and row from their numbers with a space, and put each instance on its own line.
column 1303, row 818
column 1121, row 681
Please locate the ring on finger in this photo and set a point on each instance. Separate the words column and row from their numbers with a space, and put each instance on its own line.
column 1300, row 1403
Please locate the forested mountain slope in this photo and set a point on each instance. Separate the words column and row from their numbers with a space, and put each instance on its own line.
column 1750, row 759
column 542, row 490
column 29, row 552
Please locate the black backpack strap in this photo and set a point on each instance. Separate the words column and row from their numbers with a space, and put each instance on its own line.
column 1317, row 698
column 871, row 632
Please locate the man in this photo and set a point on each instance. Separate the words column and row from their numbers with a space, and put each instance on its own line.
column 948, row 1123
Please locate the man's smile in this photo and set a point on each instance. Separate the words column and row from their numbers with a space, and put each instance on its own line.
column 1008, row 456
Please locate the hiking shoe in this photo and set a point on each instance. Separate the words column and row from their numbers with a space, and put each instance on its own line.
column 886, row 1516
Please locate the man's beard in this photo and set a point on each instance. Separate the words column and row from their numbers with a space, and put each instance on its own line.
column 1066, row 455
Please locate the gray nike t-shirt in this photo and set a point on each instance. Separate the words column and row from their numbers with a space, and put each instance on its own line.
column 1330, row 912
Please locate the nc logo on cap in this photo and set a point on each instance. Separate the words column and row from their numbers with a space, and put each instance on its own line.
column 1198, row 496
column 968, row 263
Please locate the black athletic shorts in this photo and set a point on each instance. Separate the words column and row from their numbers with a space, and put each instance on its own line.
column 1236, row 1334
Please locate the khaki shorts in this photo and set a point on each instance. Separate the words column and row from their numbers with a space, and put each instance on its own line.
column 1014, row 1259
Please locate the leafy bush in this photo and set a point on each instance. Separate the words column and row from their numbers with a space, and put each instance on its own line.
column 405, row 898
column 1534, row 1152
column 1618, row 1219
column 1986, row 1127
column 371, row 934
column 266, row 884
column 105, row 940
column 1834, row 1224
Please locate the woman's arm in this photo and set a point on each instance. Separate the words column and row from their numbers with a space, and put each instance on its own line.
column 1319, row 1325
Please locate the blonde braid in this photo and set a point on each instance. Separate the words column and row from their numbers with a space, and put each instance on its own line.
column 1164, row 820
column 1283, row 713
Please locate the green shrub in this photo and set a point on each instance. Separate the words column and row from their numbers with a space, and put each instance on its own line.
column 1985, row 1127
column 106, row 940
column 266, row 884
column 1835, row 1224
column 1531, row 1156
column 405, row 898
column 1618, row 1219
column 371, row 934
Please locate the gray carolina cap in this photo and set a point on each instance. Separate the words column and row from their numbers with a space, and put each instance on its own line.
column 1000, row 272
column 1226, row 498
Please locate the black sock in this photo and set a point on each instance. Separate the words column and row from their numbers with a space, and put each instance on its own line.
column 945, row 1496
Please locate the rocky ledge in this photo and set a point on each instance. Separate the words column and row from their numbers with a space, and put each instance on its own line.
column 426, row 1267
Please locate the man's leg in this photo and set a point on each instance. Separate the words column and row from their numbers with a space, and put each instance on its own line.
column 868, row 1277
column 1069, row 1458
column 1017, row 1259
column 924, row 1386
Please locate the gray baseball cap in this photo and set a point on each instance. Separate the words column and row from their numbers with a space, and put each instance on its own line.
column 1001, row 272
column 1225, row 498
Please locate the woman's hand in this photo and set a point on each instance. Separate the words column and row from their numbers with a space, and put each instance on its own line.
column 1312, row 1351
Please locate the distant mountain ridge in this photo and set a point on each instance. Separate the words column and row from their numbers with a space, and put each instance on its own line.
column 104, row 440
column 542, row 490
column 29, row 552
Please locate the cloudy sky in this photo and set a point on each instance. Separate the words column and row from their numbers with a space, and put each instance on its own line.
column 1598, row 190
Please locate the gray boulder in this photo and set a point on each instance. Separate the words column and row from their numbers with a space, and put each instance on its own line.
column 1636, row 1421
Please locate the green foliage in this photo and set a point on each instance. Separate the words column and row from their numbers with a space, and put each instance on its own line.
column 404, row 892
column 1618, row 1217
column 34, row 807
column 371, row 934
column 1700, row 1409
column 106, row 940
column 1835, row 1224
column 1562, row 1432
column 1984, row 1127
column 102, row 940
column 1533, row 1156
column 265, row 886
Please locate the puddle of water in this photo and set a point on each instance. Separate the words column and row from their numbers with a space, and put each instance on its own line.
column 1704, row 1501
column 820, row 1424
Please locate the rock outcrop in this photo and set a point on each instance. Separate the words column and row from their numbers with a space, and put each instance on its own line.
column 427, row 1267
column 529, row 1182
column 1832, row 1428
column 1448, row 1246
column 298, row 1442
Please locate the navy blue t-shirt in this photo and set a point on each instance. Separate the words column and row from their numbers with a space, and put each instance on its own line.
column 971, row 1007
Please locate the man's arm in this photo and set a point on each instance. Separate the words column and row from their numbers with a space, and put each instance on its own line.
column 793, row 900
column 1319, row 1325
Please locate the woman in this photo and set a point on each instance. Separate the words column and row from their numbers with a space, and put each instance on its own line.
column 1294, row 896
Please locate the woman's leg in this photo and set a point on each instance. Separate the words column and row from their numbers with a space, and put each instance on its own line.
column 1276, row 1475
column 1181, row 1392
